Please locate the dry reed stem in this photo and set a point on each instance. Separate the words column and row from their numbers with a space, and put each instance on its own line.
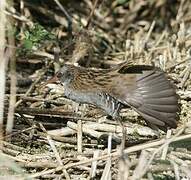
column 143, row 159
column 79, row 136
column 85, row 130
column 106, row 175
column 13, row 82
column 2, row 63
column 162, row 142
column 165, row 150
column 30, row 89
column 94, row 164
column 53, row 147
column 65, row 131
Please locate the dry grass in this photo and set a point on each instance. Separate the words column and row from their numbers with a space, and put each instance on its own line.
column 54, row 137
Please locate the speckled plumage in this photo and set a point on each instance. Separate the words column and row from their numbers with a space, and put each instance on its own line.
column 144, row 88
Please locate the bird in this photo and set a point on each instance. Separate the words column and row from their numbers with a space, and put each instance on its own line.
column 144, row 88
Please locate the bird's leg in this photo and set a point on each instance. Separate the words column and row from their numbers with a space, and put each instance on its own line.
column 119, row 119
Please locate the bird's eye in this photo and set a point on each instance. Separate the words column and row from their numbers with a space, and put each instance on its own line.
column 59, row 75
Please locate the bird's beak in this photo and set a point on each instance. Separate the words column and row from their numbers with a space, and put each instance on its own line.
column 53, row 80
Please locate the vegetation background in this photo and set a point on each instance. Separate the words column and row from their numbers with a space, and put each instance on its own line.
column 45, row 136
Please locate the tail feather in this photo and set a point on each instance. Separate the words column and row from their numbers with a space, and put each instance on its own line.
column 149, row 76
column 151, row 119
column 155, row 99
column 162, row 108
column 161, row 101
column 158, row 93
column 163, row 85
column 158, row 114
column 159, row 121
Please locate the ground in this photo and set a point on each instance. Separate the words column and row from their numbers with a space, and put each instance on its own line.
column 56, row 138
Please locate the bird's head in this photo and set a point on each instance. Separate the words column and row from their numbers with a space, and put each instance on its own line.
column 64, row 76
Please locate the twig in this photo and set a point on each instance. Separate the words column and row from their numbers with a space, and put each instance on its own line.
column 91, row 14
column 79, row 136
column 65, row 131
column 2, row 63
column 165, row 150
column 20, row 18
column 166, row 143
column 69, row 19
column 143, row 159
column 176, row 169
column 12, row 100
column 106, row 175
column 52, row 145
column 149, row 32
column 52, row 113
column 94, row 164
column 181, row 62
column 18, row 132
column 61, row 139
column 184, row 167
column 88, row 131
column 115, row 154
column 31, row 88
column 130, row 130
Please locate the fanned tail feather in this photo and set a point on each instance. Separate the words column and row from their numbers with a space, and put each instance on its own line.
column 155, row 99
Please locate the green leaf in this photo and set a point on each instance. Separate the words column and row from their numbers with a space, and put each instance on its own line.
column 28, row 44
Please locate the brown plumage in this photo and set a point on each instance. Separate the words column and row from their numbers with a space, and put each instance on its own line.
column 146, row 89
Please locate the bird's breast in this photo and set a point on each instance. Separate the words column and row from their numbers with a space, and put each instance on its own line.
column 99, row 99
